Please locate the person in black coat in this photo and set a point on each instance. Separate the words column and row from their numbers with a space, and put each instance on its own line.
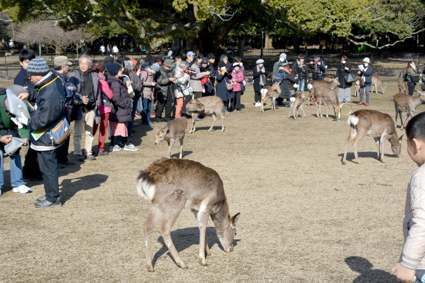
column 48, row 114
column 260, row 79
column 366, row 73
column 223, row 82
column 121, row 109
column 286, row 84
column 301, row 72
column 318, row 68
column 344, row 76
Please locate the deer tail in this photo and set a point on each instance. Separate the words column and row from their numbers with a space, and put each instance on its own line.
column 145, row 187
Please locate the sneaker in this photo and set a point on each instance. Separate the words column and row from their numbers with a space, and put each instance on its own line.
column 91, row 157
column 45, row 203
column 22, row 189
column 130, row 147
column 116, row 148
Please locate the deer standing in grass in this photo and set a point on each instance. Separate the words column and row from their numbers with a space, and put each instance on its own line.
column 406, row 103
column 170, row 185
column 206, row 106
column 325, row 92
column 272, row 92
column 380, row 126
column 171, row 133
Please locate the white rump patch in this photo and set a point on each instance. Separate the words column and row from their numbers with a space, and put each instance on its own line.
column 309, row 86
column 264, row 91
column 145, row 189
column 353, row 120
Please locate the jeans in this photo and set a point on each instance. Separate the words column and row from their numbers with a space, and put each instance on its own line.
column 411, row 88
column 301, row 85
column 420, row 276
column 49, row 169
column 147, row 111
column 237, row 100
column 31, row 169
column 365, row 94
column 62, row 152
column 344, row 95
column 16, row 178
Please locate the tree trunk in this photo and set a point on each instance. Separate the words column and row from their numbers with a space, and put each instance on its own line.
column 268, row 42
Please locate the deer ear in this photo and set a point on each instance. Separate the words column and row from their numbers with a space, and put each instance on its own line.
column 235, row 218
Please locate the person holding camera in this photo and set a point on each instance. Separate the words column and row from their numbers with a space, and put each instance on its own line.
column 411, row 77
column 88, row 90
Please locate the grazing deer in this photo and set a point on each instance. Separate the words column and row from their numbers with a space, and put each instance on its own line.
column 174, row 131
column 380, row 126
column 206, row 106
column 326, row 93
column 170, row 185
column 297, row 105
column 408, row 104
column 271, row 92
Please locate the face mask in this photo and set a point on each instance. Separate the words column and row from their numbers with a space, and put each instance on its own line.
column 343, row 62
column 366, row 64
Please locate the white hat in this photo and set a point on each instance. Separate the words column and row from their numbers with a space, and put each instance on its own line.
column 366, row 60
column 236, row 64
column 259, row 61
column 282, row 57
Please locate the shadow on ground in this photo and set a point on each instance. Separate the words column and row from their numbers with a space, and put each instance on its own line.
column 366, row 271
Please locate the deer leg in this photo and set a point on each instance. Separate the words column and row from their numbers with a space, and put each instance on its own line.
column 202, row 222
column 148, row 231
column 181, row 148
column 194, row 117
column 381, row 147
column 169, row 211
column 170, row 146
column 274, row 103
column 222, row 121
column 213, row 123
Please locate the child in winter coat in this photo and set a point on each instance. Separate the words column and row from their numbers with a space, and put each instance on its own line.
column 238, row 86
column 412, row 261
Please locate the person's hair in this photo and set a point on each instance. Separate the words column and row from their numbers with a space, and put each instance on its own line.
column 415, row 129
column 57, row 68
column 301, row 56
column 26, row 54
column 343, row 57
column 86, row 57
column 98, row 67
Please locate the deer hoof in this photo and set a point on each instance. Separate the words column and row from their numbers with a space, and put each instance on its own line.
column 182, row 265
column 149, row 268
column 203, row 262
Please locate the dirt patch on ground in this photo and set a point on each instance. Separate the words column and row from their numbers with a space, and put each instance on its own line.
column 304, row 216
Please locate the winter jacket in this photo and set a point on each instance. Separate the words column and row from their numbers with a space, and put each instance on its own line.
column 221, row 87
column 413, row 255
column 163, row 81
column 95, row 99
column 318, row 71
column 49, row 111
column 23, row 80
column 366, row 74
column 286, row 84
column 412, row 75
column 260, row 78
column 148, row 83
column 122, row 103
column 341, row 73
column 182, row 82
column 301, row 71
column 106, row 95
column 195, row 78
column 237, row 79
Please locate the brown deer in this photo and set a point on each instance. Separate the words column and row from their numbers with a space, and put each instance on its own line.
column 380, row 126
column 377, row 84
column 171, row 133
column 297, row 105
column 271, row 92
column 408, row 104
column 326, row 93
column 206, row 106
column 170, row 185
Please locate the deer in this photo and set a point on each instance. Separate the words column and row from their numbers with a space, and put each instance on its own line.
column 172, row 132
column 325, row 92
column 297, row 105
column 377, row 84
column 380, row 126
column 408, row 104
column 206, row 106
column 170, row 185
column 271, row 92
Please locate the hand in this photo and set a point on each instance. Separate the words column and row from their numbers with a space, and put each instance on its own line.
column 6, row 139
column 23, row 96
column 172, row 80
column 208, row 73
column 347, row 69
column 85, row 100
column 403, row 274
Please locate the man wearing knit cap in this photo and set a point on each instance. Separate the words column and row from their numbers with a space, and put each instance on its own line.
column 49, row 111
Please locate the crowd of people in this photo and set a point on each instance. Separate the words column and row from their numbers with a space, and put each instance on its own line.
column 106, row 97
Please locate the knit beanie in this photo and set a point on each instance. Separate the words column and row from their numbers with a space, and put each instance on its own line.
column 113, row 68
column 38, row 66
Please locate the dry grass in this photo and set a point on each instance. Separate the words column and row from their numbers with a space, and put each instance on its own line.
column 304, row 216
